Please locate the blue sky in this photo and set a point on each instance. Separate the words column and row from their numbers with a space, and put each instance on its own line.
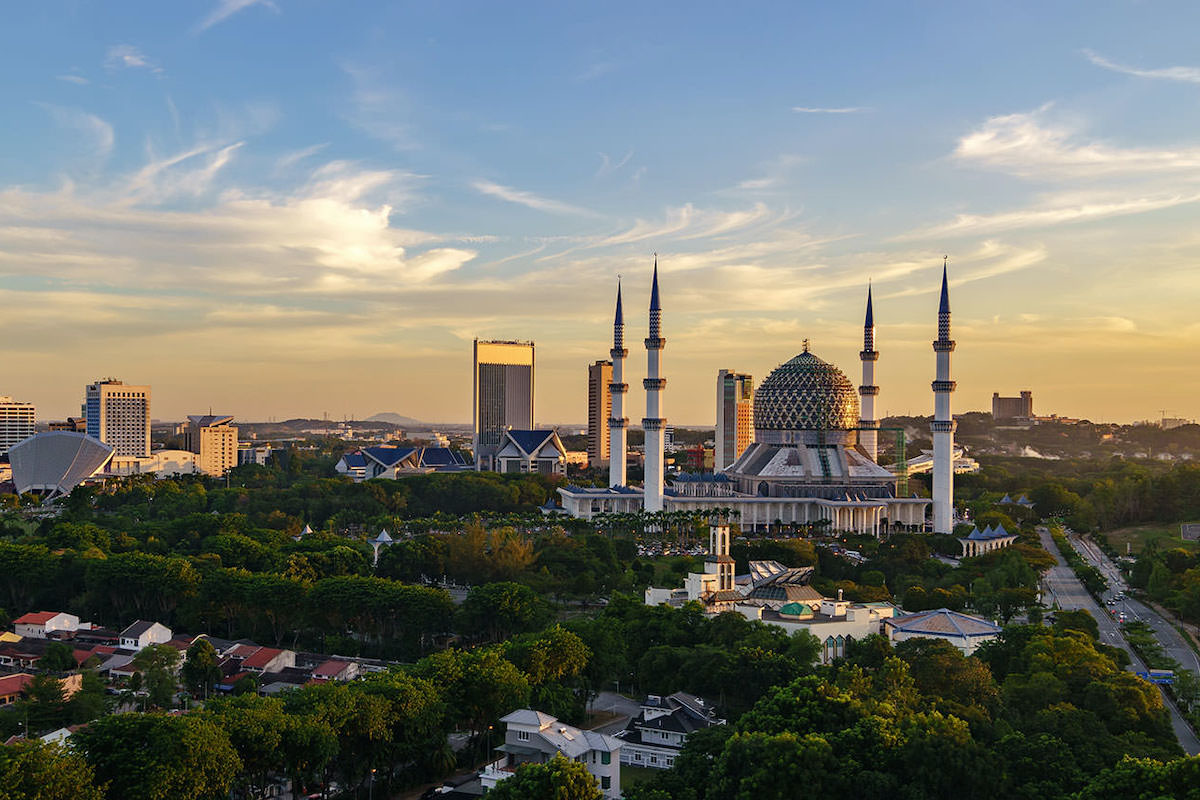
column 295, row 207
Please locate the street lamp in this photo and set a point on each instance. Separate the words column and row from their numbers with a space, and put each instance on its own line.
column 371, row 786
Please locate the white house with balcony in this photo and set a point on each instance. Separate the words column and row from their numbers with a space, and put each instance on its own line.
column 532, row 737
column 656, row 735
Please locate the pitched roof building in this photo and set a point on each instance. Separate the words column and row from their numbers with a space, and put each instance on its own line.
column 655, row 736
column 964, row 631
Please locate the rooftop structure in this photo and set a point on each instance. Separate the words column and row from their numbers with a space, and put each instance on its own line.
column 55, row 462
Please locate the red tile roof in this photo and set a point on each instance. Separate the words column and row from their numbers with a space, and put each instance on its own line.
column 330, row 669
column 262, row 656
column 36, row 617
column 14, row 684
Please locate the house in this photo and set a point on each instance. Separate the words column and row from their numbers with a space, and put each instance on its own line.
column 532, row 451
column 268, row 659
column 12, row 687
column 534, row 737
column 964, row 631
column 39, row 624
column 142, row 634
column 335, row 670
column 655, row 736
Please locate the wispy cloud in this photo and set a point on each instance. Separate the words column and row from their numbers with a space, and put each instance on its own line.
column 528, row 199
column 96, row 131
column 837, row 110
column 1184, row 74
column 126, row 56
column 291, row 159
column 608, row 166
column 1026, row 144
column 78, row 80
column 227, row 8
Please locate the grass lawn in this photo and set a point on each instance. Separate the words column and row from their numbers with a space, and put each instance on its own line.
column 631, row 775
column 1166, row 537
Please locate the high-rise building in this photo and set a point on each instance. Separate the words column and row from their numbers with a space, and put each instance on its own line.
column 600, row 376
column 119, row 415
column 1012, row 407
column 17, row 422
column 735, row 417
column 943, row 424
column 501, row 395
column 214, row 441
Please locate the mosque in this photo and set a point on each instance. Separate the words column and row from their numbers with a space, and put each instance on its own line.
column 815, row 450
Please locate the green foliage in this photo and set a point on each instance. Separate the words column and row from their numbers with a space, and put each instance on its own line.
column 31, row 770
column 200, row 672
column 157, row 665
column 496, row 611
column 557, row 779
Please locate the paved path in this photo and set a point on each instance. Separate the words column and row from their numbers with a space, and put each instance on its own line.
column 1065, row 589
column 617, row 704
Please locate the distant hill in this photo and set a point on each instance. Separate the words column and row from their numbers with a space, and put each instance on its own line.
column 396, row 419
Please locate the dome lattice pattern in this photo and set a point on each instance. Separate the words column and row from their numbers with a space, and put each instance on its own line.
column 806, row 394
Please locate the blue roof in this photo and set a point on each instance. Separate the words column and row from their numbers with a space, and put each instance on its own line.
column 988, row 533
column 441, row 457
column 702, row 477
column 354, row 460
column 388, row 456
column 530, row 441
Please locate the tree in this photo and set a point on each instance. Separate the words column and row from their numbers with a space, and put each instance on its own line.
column 45, row 703
column 160, row 757
column 32, row 770
column 255, row 726
column 1146, row 779
column 90, row 701
column 495, row 611
column 157, row 664
column 557, row 779
column 200, row 672
column 59, row 657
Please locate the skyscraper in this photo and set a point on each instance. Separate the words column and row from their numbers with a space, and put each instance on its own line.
column 600, row 377
column 17, row 422
column 735, row 417
column 214, row 441
column 653, row 423
column 943, row 424
column 501, row 395
column 119, row 415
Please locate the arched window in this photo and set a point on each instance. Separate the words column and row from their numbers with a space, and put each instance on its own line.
column 841, row 646
column 829, row 649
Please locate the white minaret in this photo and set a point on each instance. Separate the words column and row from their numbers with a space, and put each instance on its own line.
column 618, row 421
column 868, row 437
column 943, row 424
column 654, row 423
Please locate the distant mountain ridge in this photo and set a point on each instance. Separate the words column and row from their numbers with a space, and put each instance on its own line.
column 396, row 419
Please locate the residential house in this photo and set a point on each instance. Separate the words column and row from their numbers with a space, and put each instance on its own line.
column 532, row 451
column 142, row 634
column 39, row 624
column 335, row 670
column 268, row 659
column 655, row 736
column 12, row 687
column 534, row 737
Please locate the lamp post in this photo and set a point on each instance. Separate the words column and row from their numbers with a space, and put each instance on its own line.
column 371, row 786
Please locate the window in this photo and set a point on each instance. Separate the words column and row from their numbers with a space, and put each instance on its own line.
column 653, row 759
column 606, row 782
column 670, row 761
column 522, row 736
column 637, row 756
column 606, row 758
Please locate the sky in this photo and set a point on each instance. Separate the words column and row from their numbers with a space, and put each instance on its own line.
column 280, row 208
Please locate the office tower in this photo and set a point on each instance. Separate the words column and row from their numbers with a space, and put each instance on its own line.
column 214, row 441
column 600, row 376
column 501, row 395
column 868, row 437
column 653, row 423
column 17, row 422
column 943, row 424
column 618, row 423
column 735, row 417
column 119, row 415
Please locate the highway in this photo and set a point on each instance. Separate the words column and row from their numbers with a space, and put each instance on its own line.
column 1065, row 589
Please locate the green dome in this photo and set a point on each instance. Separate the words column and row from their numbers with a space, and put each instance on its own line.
column 806, row 394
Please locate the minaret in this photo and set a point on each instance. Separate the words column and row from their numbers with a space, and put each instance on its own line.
column 653, row 423
column 868, row 437
column 718, row 556
column 618, row 421
column 943, row 424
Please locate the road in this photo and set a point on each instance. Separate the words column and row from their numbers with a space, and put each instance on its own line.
column 1171, row 640
column 617, row 704
column 1065, row 589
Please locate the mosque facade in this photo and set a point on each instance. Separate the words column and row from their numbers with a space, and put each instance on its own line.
column 815, row 450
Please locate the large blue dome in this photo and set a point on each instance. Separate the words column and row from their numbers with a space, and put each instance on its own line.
column 806, row 394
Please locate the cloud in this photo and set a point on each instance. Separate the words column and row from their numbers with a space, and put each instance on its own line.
column 126, row 56
column 1026, row 145
column 1184, row 74
column 841, row 110
column 528, row 199
column 607, row 166
column 227, row 8
column 98, row 132
column 78, row 80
